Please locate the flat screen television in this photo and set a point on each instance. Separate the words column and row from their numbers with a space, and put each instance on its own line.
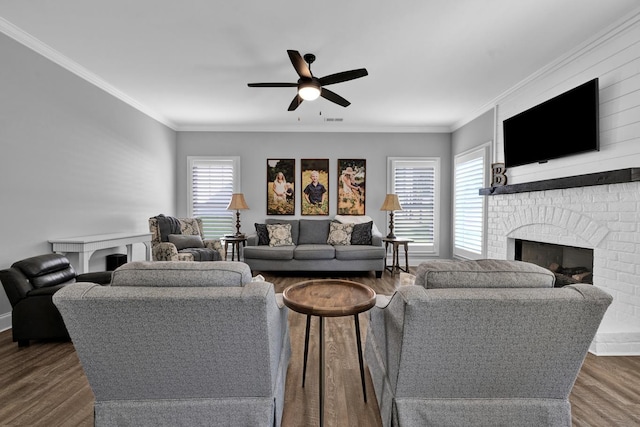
column 562, row 126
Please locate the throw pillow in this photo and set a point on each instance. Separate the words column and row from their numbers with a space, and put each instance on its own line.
column 263, row 234
column 361, row 234
column 339, row 234
column 279, row 235
column 184, row 241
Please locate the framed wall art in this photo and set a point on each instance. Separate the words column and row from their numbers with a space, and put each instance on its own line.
column 281, row 186
column 314, row 182
column 351, row 186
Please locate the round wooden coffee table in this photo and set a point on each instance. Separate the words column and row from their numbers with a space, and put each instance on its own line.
column 329, row 298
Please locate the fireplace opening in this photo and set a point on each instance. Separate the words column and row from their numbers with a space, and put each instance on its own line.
column 570, row 264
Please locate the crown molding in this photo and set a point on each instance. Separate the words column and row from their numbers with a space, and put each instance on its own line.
column 58, row 58
column 316, row 128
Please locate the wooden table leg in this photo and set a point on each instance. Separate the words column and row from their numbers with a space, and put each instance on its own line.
column 358, row 341
column 386, row 250
column 226, row 248
column 396, row 255
column 306, row 348
column 406, row 257
column 321, row 347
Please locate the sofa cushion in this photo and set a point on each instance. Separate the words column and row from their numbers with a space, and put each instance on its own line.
column 279, row 235
column 184, row 241
column 484, row 273
column 314, row 231
column 361, row 234
column 353, row 252
column 339, row 234
column 295, row 227
column 263, row 234
column 314, row 252
column 268, row 252
column 181, row 274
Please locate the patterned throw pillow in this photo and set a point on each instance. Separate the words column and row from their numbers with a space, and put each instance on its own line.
column 263, row 234
column 361, row 234
column 279, row 234
column 339, row 234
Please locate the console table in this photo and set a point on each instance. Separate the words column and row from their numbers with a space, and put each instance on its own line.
column 85, row 246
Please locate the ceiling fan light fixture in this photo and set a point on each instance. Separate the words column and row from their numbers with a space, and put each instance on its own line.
column 309, row 91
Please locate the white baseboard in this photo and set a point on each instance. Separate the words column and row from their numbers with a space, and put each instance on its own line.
column 5, row 321
column 616, row 338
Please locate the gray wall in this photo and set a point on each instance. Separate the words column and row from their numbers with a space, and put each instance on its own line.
column 255, row 148
column 475, row 133
column 73, row 161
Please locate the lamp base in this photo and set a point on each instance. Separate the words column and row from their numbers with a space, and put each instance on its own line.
column 238, row 233
column 391, row 235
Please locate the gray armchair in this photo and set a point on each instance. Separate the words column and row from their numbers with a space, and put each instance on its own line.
column 492, row 356
column 181, row 344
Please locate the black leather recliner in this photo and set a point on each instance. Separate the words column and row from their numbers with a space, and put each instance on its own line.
column 30, row 285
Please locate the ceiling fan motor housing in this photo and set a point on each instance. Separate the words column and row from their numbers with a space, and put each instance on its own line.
column 309, row 58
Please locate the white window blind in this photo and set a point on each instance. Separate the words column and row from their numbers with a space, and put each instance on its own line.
column 212, row 181
column 415, row 182
column 470, row 171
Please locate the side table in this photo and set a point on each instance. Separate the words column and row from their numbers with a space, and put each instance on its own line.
column 329, row 298
column 235, row 242
column 395, row 243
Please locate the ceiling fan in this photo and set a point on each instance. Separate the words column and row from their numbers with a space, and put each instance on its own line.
column 310, row 87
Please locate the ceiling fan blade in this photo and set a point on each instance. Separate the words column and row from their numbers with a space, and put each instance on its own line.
column 334, row 97
column 295, row 103
column 272, row 84
column 298, row 63
column 343, row 76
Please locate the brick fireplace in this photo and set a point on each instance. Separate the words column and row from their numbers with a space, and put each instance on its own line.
column 604, row 218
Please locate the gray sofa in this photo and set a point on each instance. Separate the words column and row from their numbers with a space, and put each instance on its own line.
column 181, row 344
column 311, row 252
column 479, row 356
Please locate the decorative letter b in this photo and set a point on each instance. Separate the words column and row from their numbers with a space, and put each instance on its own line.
column 498, row 174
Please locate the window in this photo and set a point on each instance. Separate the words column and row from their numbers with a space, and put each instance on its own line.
column 469, row 212
column 212, row 181
column 416, row 182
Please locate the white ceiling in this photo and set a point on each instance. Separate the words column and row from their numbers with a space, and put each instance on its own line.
column 433, row 64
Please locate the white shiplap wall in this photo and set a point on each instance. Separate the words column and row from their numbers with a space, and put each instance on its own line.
column 613, row 57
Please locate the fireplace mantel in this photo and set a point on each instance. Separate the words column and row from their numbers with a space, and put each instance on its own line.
column 599, row 178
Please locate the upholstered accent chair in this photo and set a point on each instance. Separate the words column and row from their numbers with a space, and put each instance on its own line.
column 30, row 285
column 181, row 344
column 506, row 353
column 187, row 245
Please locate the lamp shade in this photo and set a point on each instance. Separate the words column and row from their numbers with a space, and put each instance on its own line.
column 237, row 202
column 391, row 203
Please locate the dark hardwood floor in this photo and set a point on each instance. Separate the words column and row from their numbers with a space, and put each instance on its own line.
column 43, row 384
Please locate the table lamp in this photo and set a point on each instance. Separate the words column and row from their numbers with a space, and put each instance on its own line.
column 237, row 203
column 391, row 203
